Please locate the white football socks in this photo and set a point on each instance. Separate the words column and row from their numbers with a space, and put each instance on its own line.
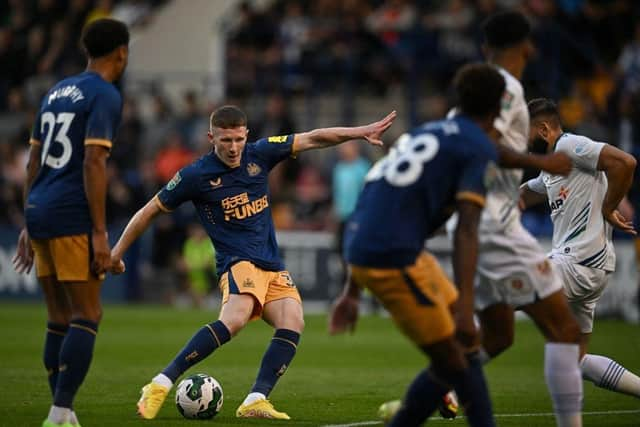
column 58, row 415
column 252, row 397
column 564, row 381
column 609, row 374
column 163, row 380
column 73, row 419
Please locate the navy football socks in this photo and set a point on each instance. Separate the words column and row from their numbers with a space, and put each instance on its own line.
column 52, row 344
column 427, row 390
column 276, row 360
column 422, row 398
column 473, row 394
column 75, row 357
column 201, row 345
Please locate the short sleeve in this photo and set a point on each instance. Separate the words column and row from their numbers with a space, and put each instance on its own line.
column 479, row 170
column 537, row 185
column 104, row 118
column 274, row 149
column 584, row 152
column 183, row 187
column 35, row 138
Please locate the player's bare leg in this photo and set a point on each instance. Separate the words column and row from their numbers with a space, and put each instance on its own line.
column 555, row 320
column 58, row 317
column 286, row 317
column 497, row 326
column 236, row 312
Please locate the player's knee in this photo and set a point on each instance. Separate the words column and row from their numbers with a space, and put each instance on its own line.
column 496, row 344
column 297, row 323
column 570, row 332
column 91, row 313
column 235, row 321
column 61, row 317
column 446, row 356
column 567, row 331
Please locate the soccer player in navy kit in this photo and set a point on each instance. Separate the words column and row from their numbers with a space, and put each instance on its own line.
column 441, row 167
column 65, row 209
column 229, row 189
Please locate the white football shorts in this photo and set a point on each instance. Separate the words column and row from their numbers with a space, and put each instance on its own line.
column 583, row 287
column 513, row 269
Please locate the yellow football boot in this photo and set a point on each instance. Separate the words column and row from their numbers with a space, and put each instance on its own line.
column 47, row 423
column 387, row 410
column 153, row 396
column 261, row 408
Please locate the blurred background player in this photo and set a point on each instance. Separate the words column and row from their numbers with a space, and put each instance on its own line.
column 408, row 195
column 199, row 260
column 347, row 182
column 228, row 187
column 65, row 208
column 584, row 213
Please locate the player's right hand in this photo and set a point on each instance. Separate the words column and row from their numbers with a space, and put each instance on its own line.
column 101, row 253
column 619, row 222
column 117, row 266
column 558, row 163
column 23, row 260
column 344, row 314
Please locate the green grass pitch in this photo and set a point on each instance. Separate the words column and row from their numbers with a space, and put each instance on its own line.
column 333, row 380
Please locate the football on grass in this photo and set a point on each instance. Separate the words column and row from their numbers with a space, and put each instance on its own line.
column 199, row 396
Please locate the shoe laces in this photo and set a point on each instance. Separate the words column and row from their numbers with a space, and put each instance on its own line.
column 155, row 396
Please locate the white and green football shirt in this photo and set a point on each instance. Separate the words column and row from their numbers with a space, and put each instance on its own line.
column 580, row 232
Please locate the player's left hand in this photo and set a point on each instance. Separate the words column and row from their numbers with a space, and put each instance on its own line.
column 466, row 331
column 619, row 222
column 23, row 260
column 101, row 253
column 372, row 133
column 344, row 314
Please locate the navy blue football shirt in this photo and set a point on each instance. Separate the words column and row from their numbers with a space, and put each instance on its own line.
column 412, row 191
column 80, row 110
column 233, row 203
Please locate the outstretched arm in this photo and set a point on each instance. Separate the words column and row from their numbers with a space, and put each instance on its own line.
column 619, row 168
column 134, row 229
column 556, row 163
column 327, row 137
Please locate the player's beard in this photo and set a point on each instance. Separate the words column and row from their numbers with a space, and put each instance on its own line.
column 538, row 146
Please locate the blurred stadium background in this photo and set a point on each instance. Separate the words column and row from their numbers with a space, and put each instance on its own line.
column 295, row 65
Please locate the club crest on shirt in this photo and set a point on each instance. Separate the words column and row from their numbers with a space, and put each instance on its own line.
column 544, row 267
column 253, row 169
column 215, row 183
column 507, row 100
column 174, row 181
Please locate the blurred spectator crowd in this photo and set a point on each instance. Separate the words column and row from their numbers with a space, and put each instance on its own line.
column 588, row 59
